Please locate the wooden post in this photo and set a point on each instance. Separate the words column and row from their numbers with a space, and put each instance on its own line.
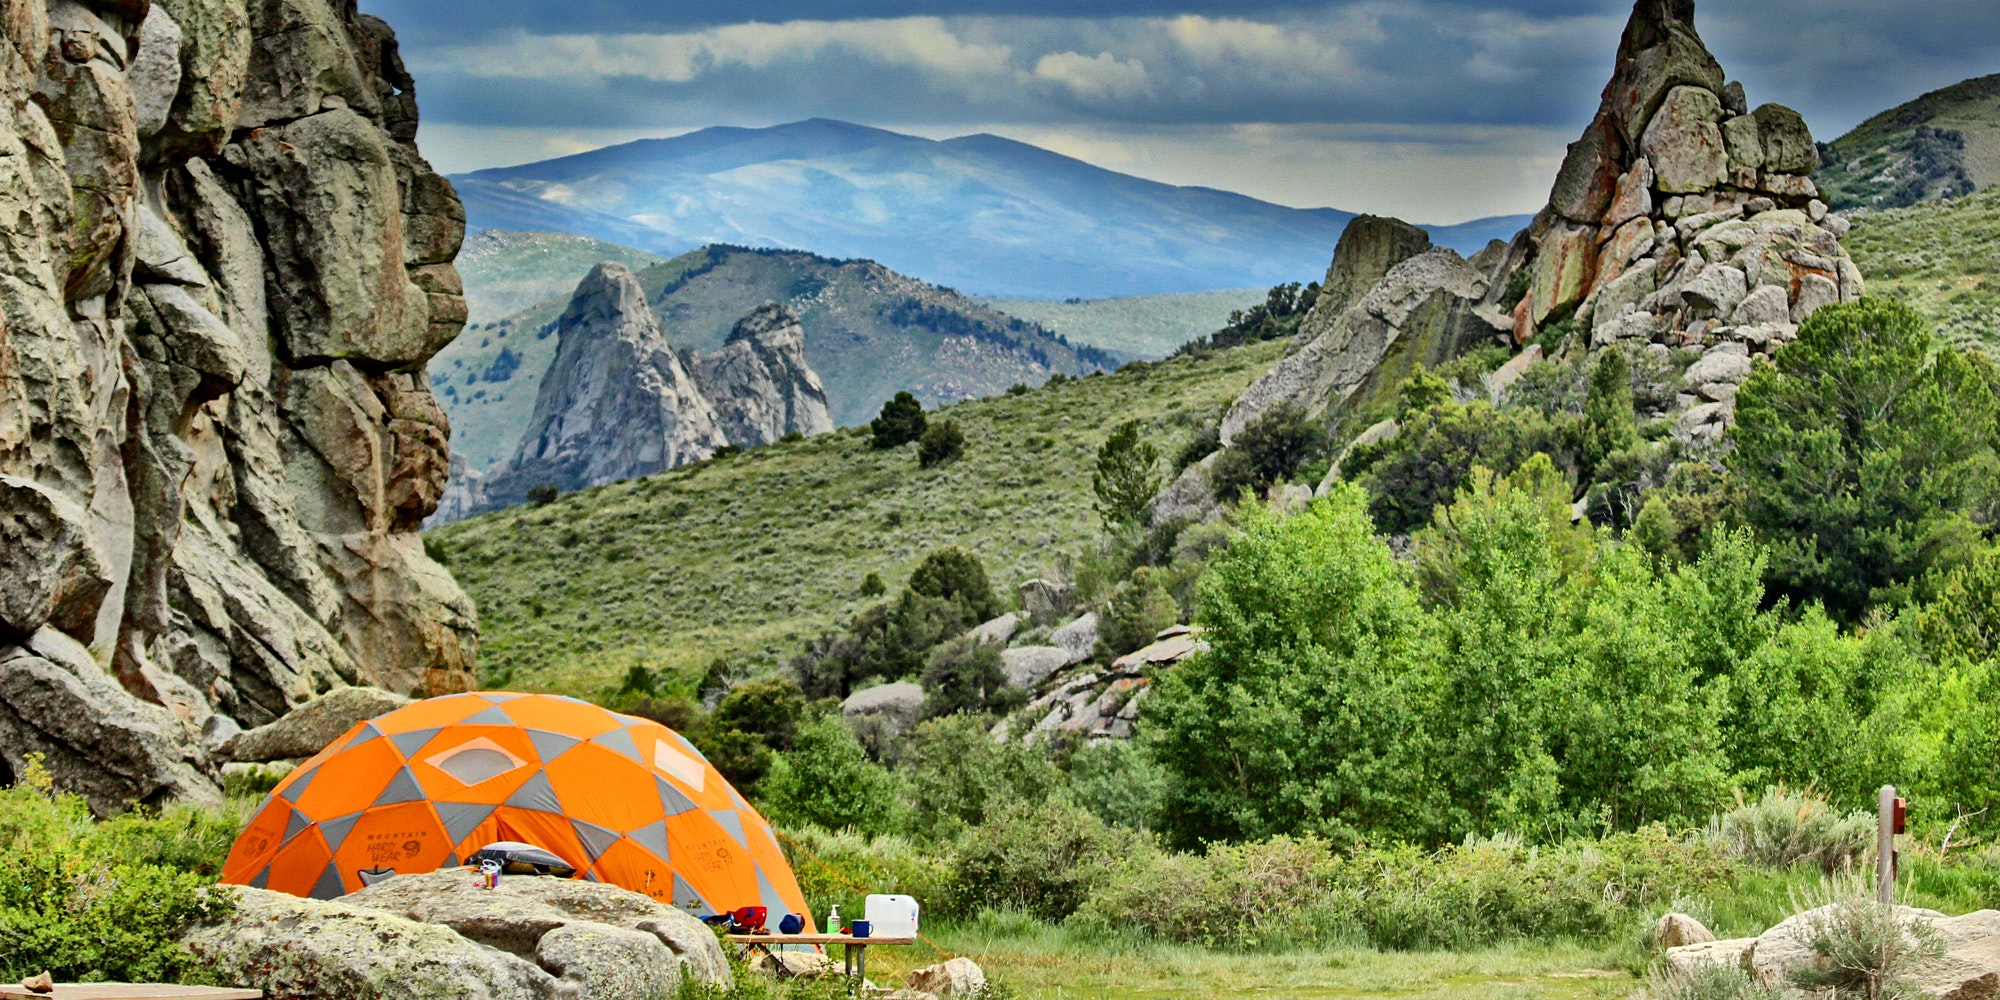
column 1885, row 845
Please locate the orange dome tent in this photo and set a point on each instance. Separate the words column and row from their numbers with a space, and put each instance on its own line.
column 622, row 799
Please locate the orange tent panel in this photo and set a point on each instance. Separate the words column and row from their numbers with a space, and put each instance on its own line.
column 623, row 800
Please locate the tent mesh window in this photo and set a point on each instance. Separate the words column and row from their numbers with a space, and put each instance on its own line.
column 473, row 765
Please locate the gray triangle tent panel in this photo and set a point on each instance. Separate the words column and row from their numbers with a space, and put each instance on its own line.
column 499, row 697
column 491, row 716
column 402, row 788
column 672, row 798
column 335, row 830
column 596, row 839
column 461, row 818
column 653, row 837
column 731, row 820
column 767, row 897
column 294, row 826
column 684, row 895
column 263, row 879
column 409, row 743
column 328, row 886
column 621, row 741
column 548, row 745
column 537, row 794
column 297, row 788
column 368, row 732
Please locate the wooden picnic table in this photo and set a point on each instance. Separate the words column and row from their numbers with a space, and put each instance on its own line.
column 855, row 958
column 130, row 991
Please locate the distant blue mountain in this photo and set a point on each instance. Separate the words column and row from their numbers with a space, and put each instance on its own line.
column 980, row 213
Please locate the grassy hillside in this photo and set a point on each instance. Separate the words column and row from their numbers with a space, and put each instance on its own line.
column 1941, row 145
column 746, row 557
column 870, row 333
column 506, row 272
column 1148, row 326
column 1943, row 258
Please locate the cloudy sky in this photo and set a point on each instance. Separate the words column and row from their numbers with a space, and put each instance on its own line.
column 1432, row 110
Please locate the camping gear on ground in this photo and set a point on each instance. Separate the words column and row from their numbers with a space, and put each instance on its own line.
column 516, row 858
column 892, row 916
column 791, row 923
column 614, row 798
column 860, row 928
column 749, row 919
column 489, row 874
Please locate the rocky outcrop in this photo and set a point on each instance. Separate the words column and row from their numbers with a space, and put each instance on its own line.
column 225, row 266
column 308, row 729
column 619, row 402
column 1968, row 969
column 759, row 383
column 1369, row 247
column 616, row 403
column 439, row 935
column 1680, row 220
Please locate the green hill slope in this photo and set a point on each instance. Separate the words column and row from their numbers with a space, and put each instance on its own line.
column 1941, row 145
column 870, row 333
column 1148, row 326
column 1943, row 258
column 748, row 556
column 506, row 272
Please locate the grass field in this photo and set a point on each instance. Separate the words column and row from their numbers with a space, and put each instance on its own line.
column 746, row 557
column 1143, row 327
column 1943, row 259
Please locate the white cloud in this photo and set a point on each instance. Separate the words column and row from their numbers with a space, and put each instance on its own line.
column 1102, row 77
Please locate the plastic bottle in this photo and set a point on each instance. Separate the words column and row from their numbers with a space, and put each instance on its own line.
column 832, row 921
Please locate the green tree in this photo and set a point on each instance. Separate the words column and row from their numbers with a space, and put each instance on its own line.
column 1267, row 451
column 901, row 422
column 1136, row 613
column 826, row 780
column 1861, row 453
column 1430, row 459
column 1609, row 424
column 942, row 442
column 958, row 777
column 1125, row 480
column 956, row 575
column 1305, row 714
column 965, row 676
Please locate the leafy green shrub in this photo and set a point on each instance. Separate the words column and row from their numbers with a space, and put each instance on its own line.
column 1137, row 611
column 958, row 777
column 1430, row 460
column 542, row 494
column 1207, row 439
column 842, row 867
column 942, row 442
column 901, row 422
column 1784, row 828
column 966, row 676
column 1267, row 451
column 872, row 585
column 769, row 709
column 1119, row 782
column 827, row 780
column 1234, row 895
column 1041, row 858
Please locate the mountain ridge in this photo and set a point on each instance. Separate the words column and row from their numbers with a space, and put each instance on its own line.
column 984, row 213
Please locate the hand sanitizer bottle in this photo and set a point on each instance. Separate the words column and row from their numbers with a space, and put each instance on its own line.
column 832, row 921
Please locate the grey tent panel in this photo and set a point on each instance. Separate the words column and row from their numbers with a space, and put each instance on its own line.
column 548, row 745
column 498, row 697
column 368, row 732
column 767, row 895
column 297, row 788
column 461, row 818
column 295, row 826
column 491, row 716
column 335, row 830
column 262, row 881
column 684, row 894
column 409, row 743
column 537, row 794
column 402, row 788
column 731, row 820
column 672, row 798
column 621, row 741
column 653, row 837
column 329, row 886
column 596, row 839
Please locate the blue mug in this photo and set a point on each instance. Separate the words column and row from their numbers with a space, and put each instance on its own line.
column 860, row 928
column 792, row 923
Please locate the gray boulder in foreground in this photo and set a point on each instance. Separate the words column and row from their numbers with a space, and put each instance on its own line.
column 441, row 935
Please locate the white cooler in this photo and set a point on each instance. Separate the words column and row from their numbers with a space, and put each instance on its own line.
column 891, row 916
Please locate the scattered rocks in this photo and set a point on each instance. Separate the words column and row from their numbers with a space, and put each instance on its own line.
column 1968, row 970
column 1045, row 602
column 1676, row 930
column 1078, row 639
column 997, row 631
column 959, row 977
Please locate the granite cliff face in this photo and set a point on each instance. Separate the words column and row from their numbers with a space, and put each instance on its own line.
column 223, row 267
column 619, row 402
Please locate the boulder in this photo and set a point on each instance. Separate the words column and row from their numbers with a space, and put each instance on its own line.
column 598, row 940
column 1028, row 666
column 1685, row 959
column 1368, row 248
column 793, row 964
column 1078, row 639
column 307, row 730
column 1045, row 601
column 1685, row 143
column 304, row 948
column 959, row 977
column 1676, row 930
column 1766, row 306
column 759, row 383
column 1788, row 143
column 1787, row 946
column 1717, row 289
column 1589, row 178
column 997, row 631
column 893, row 706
